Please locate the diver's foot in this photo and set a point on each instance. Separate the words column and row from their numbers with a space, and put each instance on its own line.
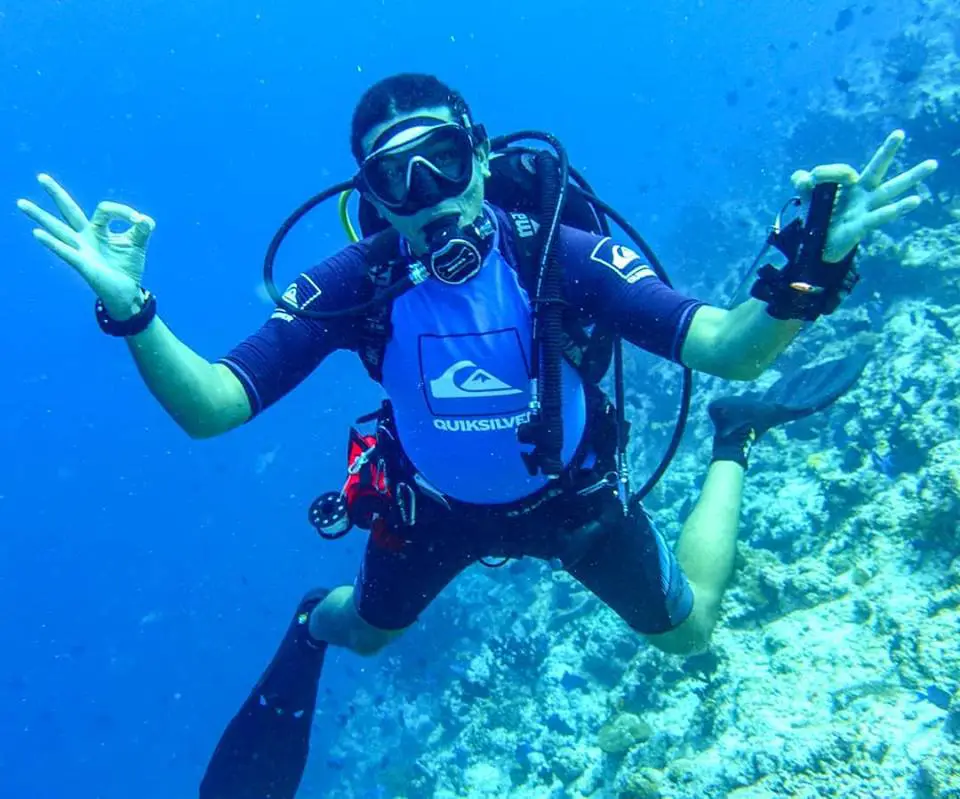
column 263, row 751
column 740, row 421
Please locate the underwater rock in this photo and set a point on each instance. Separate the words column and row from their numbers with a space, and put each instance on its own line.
column 622, row 733
column 936, row 776
column 569, row 763
column 642, row 784
column 940, row 494
column 951, row 727
column 486, row 780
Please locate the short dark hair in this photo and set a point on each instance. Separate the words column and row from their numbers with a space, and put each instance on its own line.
column 400, row 94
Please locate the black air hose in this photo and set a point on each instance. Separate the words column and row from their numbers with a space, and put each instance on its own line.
column 550, row 311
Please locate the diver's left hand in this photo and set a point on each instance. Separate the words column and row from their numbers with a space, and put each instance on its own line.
column 865, row 201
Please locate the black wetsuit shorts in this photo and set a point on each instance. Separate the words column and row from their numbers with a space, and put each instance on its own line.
column 619, row 556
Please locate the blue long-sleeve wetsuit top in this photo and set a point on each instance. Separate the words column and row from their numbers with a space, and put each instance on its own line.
column 456, row 367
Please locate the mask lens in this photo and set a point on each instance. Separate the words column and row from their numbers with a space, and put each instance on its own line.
column 449, row 153
column 445, row 151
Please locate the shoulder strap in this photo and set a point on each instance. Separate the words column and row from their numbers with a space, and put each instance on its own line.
column 526, row 244
column 385, row 267
column 588, row 353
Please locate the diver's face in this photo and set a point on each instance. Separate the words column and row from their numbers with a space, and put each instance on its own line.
column 467, row 205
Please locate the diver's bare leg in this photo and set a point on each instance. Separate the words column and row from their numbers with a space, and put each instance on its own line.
column 706, row 552
column 336, row 621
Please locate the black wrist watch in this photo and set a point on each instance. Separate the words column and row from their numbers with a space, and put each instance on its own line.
column 137, row 323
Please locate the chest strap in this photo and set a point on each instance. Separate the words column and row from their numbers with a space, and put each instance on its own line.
column 385, row 269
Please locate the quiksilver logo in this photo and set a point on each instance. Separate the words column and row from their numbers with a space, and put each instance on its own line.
column 481, row 425
column 477, row 383
column 290, row 296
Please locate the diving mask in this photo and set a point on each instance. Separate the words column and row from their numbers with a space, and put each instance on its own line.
column 419, row 163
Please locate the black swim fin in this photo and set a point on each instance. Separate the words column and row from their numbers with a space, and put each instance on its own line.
column 263, row 752
column 814, row 388
column 794, row 396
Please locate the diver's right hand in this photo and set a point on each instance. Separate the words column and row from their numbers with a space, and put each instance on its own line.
column 111, row 263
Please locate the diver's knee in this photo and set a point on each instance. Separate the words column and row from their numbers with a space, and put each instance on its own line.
column 336, row 621
column 691, row 636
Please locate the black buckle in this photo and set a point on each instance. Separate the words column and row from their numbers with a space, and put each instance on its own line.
column 534, row 432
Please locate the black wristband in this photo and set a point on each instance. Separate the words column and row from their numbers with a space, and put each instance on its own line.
column 137, row 323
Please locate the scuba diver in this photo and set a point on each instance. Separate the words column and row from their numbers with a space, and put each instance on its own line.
column 485, row 295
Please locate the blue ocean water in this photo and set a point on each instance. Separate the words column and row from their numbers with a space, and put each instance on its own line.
column 144, row 577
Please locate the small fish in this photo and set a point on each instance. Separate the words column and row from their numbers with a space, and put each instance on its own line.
column 882, row 463
column 907, row 75
column 935, row 696
column 557, row 724
column 844, row 20
column 336, row 763
column 571, row 681
column 732, row 97
column 265, row 460
column 939, row 325
column 842, row 85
